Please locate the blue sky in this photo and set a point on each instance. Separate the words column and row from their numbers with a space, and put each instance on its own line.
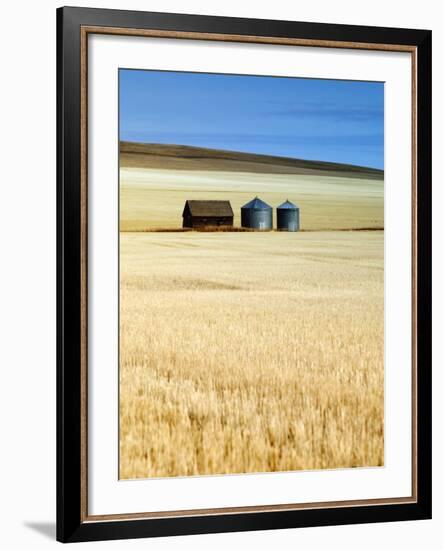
column 330, row 120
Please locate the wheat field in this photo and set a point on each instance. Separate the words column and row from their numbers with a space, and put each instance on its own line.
column 251, row 352
column 153, row 199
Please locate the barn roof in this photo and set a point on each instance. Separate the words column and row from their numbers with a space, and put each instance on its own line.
column 256, row 204
column 287, row 205
column 209, row 208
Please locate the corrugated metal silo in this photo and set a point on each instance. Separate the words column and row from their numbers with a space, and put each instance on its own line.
column 256, row 214
column 288, row 217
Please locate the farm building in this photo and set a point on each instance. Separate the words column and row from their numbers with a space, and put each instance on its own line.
column 256, row 214
column 288, row 217
column 207, row 214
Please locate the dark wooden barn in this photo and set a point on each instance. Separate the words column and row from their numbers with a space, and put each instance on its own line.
column 208, row 214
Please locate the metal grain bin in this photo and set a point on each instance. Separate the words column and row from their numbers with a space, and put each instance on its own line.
column 288, row 217
column 256, row 214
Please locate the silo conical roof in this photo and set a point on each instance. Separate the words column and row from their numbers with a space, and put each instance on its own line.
column 287, row 205
column 257, row 204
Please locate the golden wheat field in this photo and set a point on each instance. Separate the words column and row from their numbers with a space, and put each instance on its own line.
column 153, row 198
column 250, row 352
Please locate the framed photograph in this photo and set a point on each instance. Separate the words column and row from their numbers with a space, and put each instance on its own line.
column 244, row 274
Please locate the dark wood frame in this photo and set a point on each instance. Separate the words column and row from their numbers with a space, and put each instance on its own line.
column 73, row 521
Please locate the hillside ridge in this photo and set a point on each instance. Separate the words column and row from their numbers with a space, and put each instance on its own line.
column 187, row 157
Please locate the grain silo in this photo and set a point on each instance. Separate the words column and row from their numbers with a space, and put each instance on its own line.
column 288, row 217
column 256, row 214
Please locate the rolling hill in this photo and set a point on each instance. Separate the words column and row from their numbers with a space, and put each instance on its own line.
column 184, row 157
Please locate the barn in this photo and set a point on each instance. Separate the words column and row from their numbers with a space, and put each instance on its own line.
column 199, row 214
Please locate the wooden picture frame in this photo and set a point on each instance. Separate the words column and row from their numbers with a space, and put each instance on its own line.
column 74, row 25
